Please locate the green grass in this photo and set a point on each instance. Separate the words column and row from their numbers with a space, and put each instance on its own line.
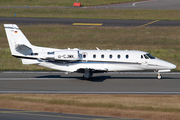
column 161, row 42
column 91, row 13
column 67, row 3
column 53, row 12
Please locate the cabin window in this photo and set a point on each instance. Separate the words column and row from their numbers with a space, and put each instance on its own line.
column 102, row 56
column 110, row 56
column 127, row 56
column 141, row 56
column 94, row 56
column 118, row 56
column 84, row 56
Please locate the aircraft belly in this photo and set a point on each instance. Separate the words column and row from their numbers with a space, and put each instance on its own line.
column 55, row 66
column 87, row 65
column 71, row 67
column 122, row 67
column 90, row 65
column 74, row 66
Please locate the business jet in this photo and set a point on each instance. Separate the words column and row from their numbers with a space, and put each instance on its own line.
column 82, row 61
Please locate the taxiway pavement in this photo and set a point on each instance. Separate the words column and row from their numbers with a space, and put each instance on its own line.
column 147, row 4
column 108, row 83
column 90, row 22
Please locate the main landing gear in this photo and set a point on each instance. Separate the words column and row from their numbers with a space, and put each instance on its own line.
column 87, row 74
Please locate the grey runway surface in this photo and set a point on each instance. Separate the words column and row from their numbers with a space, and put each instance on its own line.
column 147, row 4
column 12, row 114
column 109, row 83
column 101, row 22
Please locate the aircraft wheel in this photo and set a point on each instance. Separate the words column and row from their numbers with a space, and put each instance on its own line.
column 159, row 76
column 85, row 78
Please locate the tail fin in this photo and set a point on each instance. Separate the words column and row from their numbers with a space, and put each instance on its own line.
column 18, row 42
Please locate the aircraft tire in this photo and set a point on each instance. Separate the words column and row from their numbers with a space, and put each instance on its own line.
column 159, row 76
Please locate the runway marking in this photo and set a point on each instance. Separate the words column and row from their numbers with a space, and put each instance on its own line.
column 10, row 79
column 21, row 112
column 59, row 116
column 37, row 72
column 149, row 23
column 134, row 4
column 87, row 23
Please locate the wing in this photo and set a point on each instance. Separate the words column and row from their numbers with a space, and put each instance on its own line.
column 93, row 70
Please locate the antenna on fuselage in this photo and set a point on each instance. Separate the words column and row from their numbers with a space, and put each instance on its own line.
column 97, row 48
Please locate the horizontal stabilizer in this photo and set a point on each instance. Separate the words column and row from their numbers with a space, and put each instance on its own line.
column 29, row 61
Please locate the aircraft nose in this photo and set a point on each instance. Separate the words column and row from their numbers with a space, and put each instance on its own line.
column 171, row 66
column 166, row 65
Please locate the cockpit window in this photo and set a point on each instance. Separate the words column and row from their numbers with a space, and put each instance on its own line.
column 145, row 56
column 150, row 56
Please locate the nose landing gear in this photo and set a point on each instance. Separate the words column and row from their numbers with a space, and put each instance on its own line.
column 159, row 76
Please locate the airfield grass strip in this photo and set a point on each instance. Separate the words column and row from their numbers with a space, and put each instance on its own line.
column 99, row 104
column 67, row 3
column 91, row 13
column 155, row 107
column 164, row 42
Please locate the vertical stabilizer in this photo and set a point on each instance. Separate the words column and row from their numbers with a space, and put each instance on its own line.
column 18, row 42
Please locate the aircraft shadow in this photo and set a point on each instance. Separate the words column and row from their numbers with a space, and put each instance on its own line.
column 93, row 79
column 97, row 78
column 103, row 78
column 141, row 78
column 50, row 76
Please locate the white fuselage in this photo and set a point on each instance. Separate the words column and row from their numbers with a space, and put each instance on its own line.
column 109, row 60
